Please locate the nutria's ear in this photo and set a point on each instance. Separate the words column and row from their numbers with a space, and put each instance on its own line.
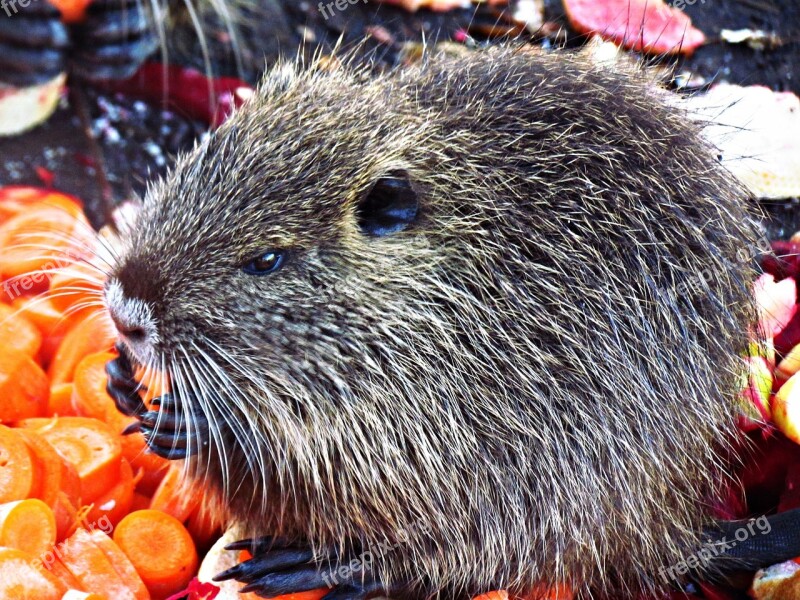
column 389, row 206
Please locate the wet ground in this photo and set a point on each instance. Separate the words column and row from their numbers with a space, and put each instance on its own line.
column 106, row 146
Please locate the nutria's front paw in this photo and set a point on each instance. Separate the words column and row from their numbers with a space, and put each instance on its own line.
column 123, row 387
column 277, row 569
column 173, row 432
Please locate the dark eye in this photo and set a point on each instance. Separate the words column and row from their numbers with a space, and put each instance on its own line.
column 269, row 262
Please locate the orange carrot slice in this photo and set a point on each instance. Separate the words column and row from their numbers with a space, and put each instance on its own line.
column 116, row 502
column 172, row 498
column 78, row 595
column 49, row 467
column 51, row 323
column 23, row 386
column 76, row 284
column 60, row 403
column 15, row 199
column 72, row 11
column 41, row 312
column 57, row 568
column 22, row 577
column 90, row 398
column 89, row 445
column 495, row 595
column 92, row 568
column 121, row 563
column 28, row 525
column 66, row 517
column 308, row 595
column 17, row 332
column 88, row 336
column 38, row 240
column 16, row 466
column 160, row 548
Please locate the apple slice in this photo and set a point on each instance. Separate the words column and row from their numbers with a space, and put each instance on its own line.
column 24, row 108
column 786, row 408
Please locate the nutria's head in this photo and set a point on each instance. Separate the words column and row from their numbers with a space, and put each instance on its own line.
column 463, row 297
column 278, row 257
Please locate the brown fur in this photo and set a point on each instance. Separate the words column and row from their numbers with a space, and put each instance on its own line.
column 529, row 384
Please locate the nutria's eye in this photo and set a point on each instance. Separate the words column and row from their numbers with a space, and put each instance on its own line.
column 390, row 206
column 269, row 262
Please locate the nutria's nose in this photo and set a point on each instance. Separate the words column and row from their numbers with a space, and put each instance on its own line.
column 133, row 333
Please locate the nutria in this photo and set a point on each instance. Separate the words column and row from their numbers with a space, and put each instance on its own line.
column 450, row 316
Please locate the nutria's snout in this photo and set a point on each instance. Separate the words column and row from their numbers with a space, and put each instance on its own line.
column 133, row 320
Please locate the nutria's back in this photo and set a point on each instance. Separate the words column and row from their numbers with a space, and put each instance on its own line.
column 475, row 330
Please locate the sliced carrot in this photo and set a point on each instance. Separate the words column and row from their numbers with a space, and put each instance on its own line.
column 49, row 467
column 40, row 312
column 66, row 517
column 160, row 548
column 57, row 568
column 72, row 11
column 90, row 398
column 316, row 594
column 60, row 403
column 76, row 285
column 92, row 568
column 16, row 198
column 28, row 525
column 17, row 332
column 116, row 502
column 88, row 336
column 22, row 577
column 153, row 468
column 89, row 445
column 24, row 388
column 495, row 595
column 38, row 240
column 121, row 563
column 172, row 498
column 16, row 466
column 50, row 322
column 78, row 595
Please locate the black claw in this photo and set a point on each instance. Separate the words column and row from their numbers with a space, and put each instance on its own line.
column 134, row 427
column 123, row 387
column 276, row 560
column 284, row 571
column 298, row 579
column 165, row 439
column 350, row 592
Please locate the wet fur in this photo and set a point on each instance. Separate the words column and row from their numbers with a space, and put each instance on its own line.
column 531, row 383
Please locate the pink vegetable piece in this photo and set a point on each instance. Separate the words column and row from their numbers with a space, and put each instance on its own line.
column 647, row 25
